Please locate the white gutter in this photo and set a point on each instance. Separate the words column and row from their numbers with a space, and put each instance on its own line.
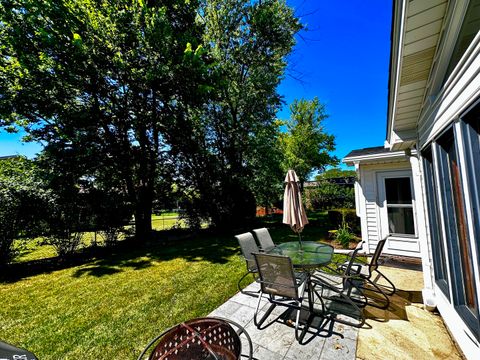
column 398, row 20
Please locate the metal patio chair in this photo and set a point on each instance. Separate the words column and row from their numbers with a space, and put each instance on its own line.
column 370, row 273
column 340, row 293
column 282, row 286
column 264, row 238
column 248, row 246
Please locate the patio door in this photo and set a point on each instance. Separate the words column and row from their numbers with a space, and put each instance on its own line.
column 396, row 202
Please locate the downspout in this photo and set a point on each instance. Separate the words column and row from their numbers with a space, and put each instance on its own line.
column 357, row 187
column 428, row 293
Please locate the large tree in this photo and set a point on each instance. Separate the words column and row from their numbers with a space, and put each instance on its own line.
column 227, row 151
column 306, row 144
column 99, row 82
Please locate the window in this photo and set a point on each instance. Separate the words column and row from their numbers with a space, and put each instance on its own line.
column 470, row 27
column 438, row 247
column 455, row 222
column 398, row 193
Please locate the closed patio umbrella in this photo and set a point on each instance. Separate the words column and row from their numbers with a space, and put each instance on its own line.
column 293, row 210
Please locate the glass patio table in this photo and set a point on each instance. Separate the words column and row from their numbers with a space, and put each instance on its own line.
column 306, row 255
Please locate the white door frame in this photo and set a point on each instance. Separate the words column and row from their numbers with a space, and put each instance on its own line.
column 407, row 245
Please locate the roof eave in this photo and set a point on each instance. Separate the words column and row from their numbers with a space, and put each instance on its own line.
column 371, row 158
column 398, row 23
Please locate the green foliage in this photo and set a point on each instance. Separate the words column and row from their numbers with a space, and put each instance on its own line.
column 110, row 211
column 337, row 217
column 306, row 145
column 23, row 200
column 138, row 95
column 100, row 83
column 329, row 195
column 230, row 160
column 344, row 235
column 336, row 173
column 343, row 218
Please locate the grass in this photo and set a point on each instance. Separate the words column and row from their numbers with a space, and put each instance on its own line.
column 110, row 305
column 167, row 221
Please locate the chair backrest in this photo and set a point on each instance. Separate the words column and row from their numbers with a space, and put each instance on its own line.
column 276, row 275
column 264, row 239
column 248, row 246
column 373, row 265
column 351, row 260
column 360, row 245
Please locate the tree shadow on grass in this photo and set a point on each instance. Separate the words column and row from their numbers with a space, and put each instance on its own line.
column 166, row 245
column 100, row 261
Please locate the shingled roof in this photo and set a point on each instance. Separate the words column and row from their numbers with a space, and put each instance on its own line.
column 368, row 151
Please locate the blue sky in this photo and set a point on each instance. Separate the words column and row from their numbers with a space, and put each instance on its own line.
column 346, row 65
column 343, row 60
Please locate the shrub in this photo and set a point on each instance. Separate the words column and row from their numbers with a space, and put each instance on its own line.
column 329, row 195
column 23, row 200
column 110, row 235
column 337, row 216
column 343, row 235
column 343, row 220
column 65, row 242
column 109, row 212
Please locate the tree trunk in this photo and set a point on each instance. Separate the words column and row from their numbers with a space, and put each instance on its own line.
column 143, row 215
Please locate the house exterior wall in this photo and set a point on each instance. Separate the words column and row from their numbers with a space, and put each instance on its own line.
column 442, row 111
column 371, row 208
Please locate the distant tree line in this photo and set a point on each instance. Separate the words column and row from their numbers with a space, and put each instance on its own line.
column 140, row 102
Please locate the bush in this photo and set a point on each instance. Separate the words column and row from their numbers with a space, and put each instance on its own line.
column 109, row 212
column 65, row 242
column 23, row 201
column 344, row 235
column 328, row 195
column 337, row 216
column 110, row 235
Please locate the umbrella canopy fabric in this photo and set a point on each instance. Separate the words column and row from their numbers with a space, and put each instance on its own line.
column 293, row 210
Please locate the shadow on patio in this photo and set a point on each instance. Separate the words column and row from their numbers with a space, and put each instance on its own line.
column 405, row 330
column 402, row 331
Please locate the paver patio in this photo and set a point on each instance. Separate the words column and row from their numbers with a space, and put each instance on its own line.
column 404, row 331
column 277, row 341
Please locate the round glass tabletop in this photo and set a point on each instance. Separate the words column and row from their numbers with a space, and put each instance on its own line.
column 306, row 254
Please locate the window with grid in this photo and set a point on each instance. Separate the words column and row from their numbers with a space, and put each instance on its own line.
column 398, row 193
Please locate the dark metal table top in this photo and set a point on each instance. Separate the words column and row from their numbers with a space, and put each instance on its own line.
column 307, row 254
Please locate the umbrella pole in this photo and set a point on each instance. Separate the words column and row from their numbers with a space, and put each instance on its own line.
column 300, row 239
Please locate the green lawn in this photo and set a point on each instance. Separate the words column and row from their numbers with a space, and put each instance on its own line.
column 167, row 221
column 110, row 306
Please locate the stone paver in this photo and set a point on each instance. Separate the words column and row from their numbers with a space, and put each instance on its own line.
column 277, row 341
column 404, row 331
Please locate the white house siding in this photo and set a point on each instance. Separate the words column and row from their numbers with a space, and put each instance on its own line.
column 459, row 92
column 371, row 207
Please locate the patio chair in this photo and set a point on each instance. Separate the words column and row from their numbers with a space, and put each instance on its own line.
column 282, row 286
column 264, row 238
column 370, row 273
column 248, row 246
column 340, row 293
